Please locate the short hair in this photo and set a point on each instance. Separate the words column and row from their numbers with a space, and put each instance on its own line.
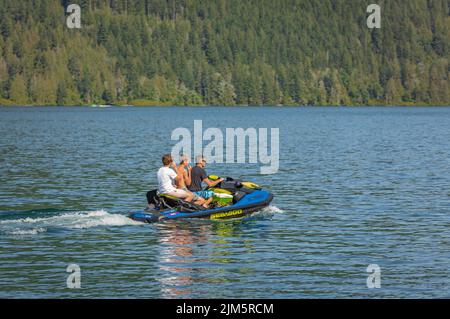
column 199, row 159
column 184, row 158
column 167, row 159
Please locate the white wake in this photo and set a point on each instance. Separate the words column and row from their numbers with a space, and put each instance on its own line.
column 75, row 220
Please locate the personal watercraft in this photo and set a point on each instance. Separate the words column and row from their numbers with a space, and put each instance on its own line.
column 232, row 199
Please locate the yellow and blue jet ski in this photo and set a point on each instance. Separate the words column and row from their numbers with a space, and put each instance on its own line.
column 232, row 199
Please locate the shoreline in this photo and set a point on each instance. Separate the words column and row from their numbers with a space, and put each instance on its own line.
column 228, row 106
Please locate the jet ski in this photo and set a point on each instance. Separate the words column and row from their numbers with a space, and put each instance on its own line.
column 232, row 199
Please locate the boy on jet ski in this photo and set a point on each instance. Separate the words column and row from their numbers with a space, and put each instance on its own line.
column 184, row 173
column 168, row 175
column 198, row 175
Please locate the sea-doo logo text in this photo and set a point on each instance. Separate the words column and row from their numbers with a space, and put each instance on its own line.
column 227, row 214
column 235, row 139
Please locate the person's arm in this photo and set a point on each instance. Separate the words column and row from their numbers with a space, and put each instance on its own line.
column 211, row 183
column 177, row 176
column 187, row 177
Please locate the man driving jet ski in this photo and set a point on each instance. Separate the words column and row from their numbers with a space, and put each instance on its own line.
column 199, row 176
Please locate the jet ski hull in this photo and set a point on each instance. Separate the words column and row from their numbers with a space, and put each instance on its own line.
column 249, row 204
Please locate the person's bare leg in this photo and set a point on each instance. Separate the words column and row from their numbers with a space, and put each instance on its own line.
column 200, row 201
column 207, row 202
column 189, row 197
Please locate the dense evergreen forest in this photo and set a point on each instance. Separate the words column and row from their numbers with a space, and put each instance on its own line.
column 224, row 52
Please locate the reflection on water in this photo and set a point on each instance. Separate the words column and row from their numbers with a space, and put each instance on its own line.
column 190, row 251
column 176, row 254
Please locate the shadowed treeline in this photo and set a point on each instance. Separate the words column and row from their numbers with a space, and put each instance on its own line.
column 224, row 52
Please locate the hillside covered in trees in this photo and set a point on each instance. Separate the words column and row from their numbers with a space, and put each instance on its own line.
column 224, row 52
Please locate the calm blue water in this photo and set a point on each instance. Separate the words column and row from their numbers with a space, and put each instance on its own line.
column 356, row 186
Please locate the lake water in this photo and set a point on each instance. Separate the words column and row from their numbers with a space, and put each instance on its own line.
column 356, row 186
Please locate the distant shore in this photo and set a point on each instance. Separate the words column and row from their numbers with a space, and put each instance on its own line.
column 149, row 103
column 231, row 106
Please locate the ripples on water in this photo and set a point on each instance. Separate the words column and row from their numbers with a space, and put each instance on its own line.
column 356, row 186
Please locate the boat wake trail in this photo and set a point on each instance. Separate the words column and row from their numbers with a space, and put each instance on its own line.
column 268, row 211
column 74, row 220
column 81, row 220
column 272, row 210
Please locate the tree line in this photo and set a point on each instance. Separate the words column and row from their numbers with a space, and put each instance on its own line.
column 224, row 52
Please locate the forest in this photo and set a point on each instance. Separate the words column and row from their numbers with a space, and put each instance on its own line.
column 224, row 52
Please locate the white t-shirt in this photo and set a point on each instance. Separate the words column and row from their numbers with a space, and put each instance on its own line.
column 166, row 179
